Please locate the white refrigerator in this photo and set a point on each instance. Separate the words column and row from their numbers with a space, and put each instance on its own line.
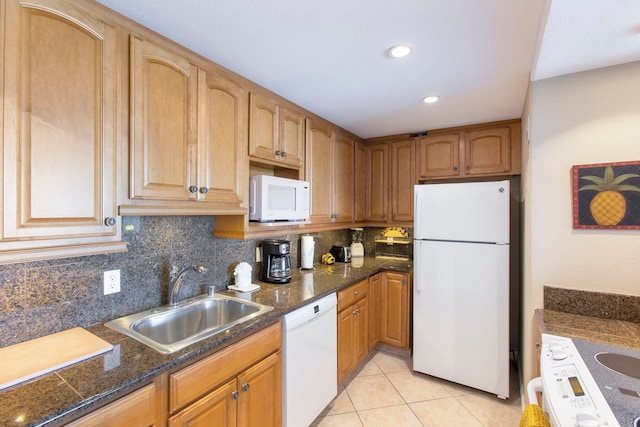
column 461, row 283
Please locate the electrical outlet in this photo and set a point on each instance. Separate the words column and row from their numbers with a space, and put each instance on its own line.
column 258, row 255
column 111, row 282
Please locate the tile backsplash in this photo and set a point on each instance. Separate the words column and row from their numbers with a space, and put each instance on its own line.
column 40, row 298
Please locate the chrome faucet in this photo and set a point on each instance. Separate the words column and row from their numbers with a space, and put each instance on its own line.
column 174, row 286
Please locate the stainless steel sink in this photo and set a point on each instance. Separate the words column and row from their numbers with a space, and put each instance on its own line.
column 168, row 329
column 626, row 365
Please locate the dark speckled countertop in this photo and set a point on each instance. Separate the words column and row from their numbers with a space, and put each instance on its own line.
column 63, row 395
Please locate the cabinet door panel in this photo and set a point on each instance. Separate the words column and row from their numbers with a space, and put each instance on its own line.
column 222, row 138
column 319, row 170
column 395, row 309
column 487, row 151
column 359, row 181
column 361, row 327
column 217, row 408
column 403, row 167
column 375, row 315
column 263, row 136
column 59, row 148
column 438, row 156
column 291, row 137
column 346, row 321
column 343, row 179
column 260, row 387
column 164, row 97
column 377, row 182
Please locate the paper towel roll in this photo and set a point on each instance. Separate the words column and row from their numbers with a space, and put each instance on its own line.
column 306, row 252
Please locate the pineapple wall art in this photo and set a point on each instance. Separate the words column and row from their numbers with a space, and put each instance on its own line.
column 607, row 195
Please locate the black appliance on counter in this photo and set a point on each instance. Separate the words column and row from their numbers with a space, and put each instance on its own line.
column 276, row 261
column 342, row 253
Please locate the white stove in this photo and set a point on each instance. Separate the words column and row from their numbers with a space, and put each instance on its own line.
column 579, row 391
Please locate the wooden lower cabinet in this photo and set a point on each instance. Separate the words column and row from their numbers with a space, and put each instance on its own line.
column 395, row 314
column 238, row 386
column 353, row 327
column 375, row 320
column 137, row 409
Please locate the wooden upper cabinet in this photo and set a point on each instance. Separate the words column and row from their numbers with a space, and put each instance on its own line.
column 59, row 143
column 403, row 167
column 439, row 156
column 487, row 151
column 222, row 136
column 164, row 94
column 359, row 176
column 483, row 150
column 376, row 182
column 343, row 178
column 276, row 132
column 319, row 170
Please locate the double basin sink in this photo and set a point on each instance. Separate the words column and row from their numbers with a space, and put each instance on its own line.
column 170, row 328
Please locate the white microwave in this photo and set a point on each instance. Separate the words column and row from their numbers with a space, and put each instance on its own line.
column 278, row 199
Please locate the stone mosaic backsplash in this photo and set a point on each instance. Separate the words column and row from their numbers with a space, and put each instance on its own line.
column 40, row 298
column 595, row 304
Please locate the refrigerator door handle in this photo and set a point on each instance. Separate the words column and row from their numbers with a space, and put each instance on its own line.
column 417, row 268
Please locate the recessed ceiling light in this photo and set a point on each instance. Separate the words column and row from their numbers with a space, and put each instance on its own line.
column 430, row 99
column 400, row 51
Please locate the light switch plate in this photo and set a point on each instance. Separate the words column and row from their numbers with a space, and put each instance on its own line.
column 111, row 282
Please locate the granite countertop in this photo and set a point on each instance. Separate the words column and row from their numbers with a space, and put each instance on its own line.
column 615, row 333
column 63, row 395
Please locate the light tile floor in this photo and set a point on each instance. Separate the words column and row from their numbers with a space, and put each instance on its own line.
column 384, row 391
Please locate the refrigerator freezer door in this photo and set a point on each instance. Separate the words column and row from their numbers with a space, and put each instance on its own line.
column 473, row 211
column 461, row 312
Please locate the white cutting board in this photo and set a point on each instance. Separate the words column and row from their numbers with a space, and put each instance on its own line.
column 29, row 359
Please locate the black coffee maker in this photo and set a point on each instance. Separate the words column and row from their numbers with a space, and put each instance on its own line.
column 276, row 261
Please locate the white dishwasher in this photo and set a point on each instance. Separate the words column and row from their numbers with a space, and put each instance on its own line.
column 310, row 361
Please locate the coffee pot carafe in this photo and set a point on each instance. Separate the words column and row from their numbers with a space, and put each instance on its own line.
column 276, row 261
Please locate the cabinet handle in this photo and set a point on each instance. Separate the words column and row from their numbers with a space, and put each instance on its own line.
column 393, row 215
column 245, row 387
column 356, row 293
column 278, row 153
column 468, row 167
column 204, row 190
column 235, row 395
column 404, row 282
column 193, row 189
column 283, row 154
column 455, row 169
column 110, row 221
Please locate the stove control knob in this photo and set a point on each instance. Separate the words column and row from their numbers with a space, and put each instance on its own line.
column 555, row 345
column 558, row 355
column 586, row 419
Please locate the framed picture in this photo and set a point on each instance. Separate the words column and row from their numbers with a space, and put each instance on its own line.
column 607, row 195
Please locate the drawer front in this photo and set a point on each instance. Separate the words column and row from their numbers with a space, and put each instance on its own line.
column 192, row 382
column 352, row 294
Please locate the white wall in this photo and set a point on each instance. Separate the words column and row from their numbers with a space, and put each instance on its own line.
column 582, row 118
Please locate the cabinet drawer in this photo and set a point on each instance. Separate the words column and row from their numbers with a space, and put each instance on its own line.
column 135, row 409
column 196, row 380
column 352, row 294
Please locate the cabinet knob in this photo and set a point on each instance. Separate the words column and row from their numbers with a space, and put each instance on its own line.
column 204, row 190
column 278, row 152
column 404, row 282
column 356, row 293
column 393, row 215
column 235, row 395
column 110, row 221
column 245, row 387
column 193, row 189
column 468, row 167
column 455, row 169
column 283, row 154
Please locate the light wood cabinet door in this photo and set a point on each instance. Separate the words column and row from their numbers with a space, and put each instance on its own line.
column 361, row 328
column 487, row 151
column 359, row 181
column 163, row 123
column 319, row 170
column 395, row 309
column 403, row 168
column 137, row 409
column 222, row 139
column 346, row 337
column 343, row 179
column 376, row 183
column 59, row 143
column 276, row 132
column 291, row 137
column 260, row 399
column 218, row 408
column 375, row 309
column 439, row 156
column 353, row 327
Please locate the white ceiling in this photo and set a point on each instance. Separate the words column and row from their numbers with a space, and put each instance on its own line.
column 329, row 56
